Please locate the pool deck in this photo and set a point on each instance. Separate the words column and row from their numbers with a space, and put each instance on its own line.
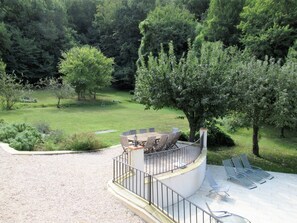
column 272, row 202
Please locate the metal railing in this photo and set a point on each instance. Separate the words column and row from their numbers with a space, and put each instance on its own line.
column 170, row 160
column 156, row 193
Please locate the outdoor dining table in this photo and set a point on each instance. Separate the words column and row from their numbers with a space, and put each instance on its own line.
column 142, row 137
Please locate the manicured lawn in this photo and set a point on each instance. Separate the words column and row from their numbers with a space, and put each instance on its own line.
column 115, row 110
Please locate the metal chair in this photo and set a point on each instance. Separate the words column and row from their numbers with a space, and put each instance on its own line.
column 258, row 170
column 151, row 129
column 170, row 139
column 226, row 216
column 142, row 130
column 215, row 187
column 175, row 139
column 252, row 175
column 132, row 132
column 237, row 177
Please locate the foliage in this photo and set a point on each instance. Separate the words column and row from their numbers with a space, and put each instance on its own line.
column 222, row 19
column 20, row 136
column 269, row 27
column 36, row 34
column 254, row 84
column 196, row 86
column 215, row 137
column 117, row 35
column 59, row 89
column 87, row 69
column 11, row 88
column 83, row 142
column 163, row 25
column 196, row 7
column 43, row 127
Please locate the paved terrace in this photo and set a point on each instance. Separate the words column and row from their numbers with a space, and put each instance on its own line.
column 272, row 202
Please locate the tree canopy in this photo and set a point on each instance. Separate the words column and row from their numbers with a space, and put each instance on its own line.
column 87, row 69
column 196, row 86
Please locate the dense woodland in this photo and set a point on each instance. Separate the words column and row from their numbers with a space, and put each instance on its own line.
column 250, row 68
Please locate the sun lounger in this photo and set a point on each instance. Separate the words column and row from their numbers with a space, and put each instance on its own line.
column 215, row 187
column 226, row 216
column 258, row 170
column 237, row 177
column 251, row 174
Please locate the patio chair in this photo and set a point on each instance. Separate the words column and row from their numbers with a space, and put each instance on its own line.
column 175, row 130
column 252, row 175
column 125, row 143
column 170, row 139
column 226, row 216
column 142, row 130
column 149, row 144
column 151, row 129
column 162, row 143
column 175, row 139
column 258, row 170
column 237, row 177
column 126, row 133
column 132, row 132
column 215, row 187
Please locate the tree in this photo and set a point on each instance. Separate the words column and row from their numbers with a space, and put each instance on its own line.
column 87, row 69
column 59, row 89
column 11, row 88
column 285, row 107
column 196, row 7
column 164, row 24
column 254, row 91
column 37, row 32
column 269, row 27
column 117, row 35
column 196, row 86
column 222, row 20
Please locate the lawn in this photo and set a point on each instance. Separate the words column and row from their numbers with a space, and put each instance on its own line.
column 116, row 110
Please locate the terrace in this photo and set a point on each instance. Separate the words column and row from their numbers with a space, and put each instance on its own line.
column 169, row 186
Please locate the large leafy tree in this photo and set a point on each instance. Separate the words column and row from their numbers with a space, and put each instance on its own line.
column 285, row 107
column 254, row 89
column 269, row 27
column 117, row 35
column 37, row 32
column 222, row 20
column 197, row 7
column 196, row 86
column 87, row 69
column 164, row 24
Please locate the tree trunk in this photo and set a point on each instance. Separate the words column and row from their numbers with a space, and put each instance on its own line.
column 192, row 132
column 58, row 105
column 255, row 140
column 282, row 132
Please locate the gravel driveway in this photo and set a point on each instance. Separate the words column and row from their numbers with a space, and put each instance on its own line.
column 59, row 188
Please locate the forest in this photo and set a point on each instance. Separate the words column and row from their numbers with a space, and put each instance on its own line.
column 250, row 67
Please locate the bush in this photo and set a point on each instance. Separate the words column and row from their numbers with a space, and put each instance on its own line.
column 20, row 136
column 83, row 142
column 215, row 137
column 43, row 127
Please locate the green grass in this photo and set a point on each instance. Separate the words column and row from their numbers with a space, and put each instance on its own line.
column 112, row 110
column 277, row 154
column 116, row 110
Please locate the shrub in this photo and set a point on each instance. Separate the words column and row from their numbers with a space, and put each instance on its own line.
column 43, row 127
column 215, row 137
column 83, row 141
column 26, row 140
column 20, row 136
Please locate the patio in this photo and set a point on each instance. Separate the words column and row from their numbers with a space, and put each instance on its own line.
column 274, row 201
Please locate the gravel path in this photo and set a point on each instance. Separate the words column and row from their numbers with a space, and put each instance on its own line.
column 59, row 188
